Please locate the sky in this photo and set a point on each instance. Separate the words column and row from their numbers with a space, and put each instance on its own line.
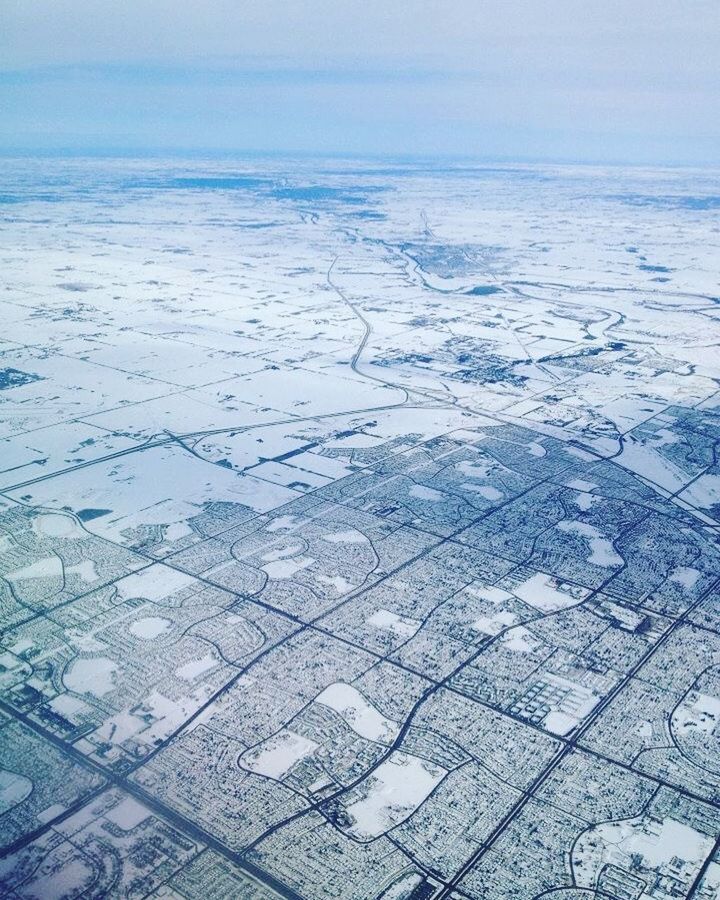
column 627, row 81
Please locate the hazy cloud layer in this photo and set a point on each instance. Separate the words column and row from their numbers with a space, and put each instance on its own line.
column 568, row 79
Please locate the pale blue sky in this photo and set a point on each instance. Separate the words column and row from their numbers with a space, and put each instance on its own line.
column 586, row 80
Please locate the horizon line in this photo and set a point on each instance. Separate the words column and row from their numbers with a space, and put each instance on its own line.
column 418, row 158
